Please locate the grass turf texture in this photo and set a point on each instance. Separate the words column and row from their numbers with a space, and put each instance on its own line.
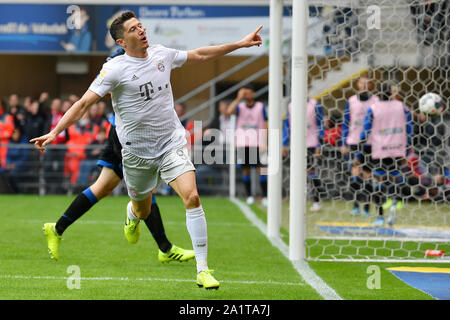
column 245, row 262
column 425, row 214
column 243, row 259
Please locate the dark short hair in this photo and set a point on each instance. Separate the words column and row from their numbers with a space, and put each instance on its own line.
column 116, row 29
column 250, row 86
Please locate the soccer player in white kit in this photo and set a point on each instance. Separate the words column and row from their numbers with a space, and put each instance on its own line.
column 152, row 137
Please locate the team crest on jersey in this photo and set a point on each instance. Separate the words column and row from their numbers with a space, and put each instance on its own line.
column 161, row 66
column 133, row 193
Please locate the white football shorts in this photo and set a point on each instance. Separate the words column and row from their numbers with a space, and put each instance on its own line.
column 143, row 175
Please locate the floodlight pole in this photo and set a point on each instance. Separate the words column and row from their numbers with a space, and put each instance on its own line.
column 297, row 207
column 274, row 165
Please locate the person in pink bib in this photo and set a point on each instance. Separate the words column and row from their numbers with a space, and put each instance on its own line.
column 354, row 113
column 251, row 137
column 314, row 139
column 388, row 125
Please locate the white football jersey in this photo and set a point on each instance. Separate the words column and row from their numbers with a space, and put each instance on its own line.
column 146, row 122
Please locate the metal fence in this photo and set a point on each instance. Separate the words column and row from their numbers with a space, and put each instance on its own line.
column 60, row 170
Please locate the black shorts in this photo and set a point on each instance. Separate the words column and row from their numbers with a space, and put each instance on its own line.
column 111, row 156
column 365, row 156
column 392, row 167
column 311, row 161
column 248, row 156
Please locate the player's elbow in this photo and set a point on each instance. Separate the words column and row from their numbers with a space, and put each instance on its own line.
column 195, row 56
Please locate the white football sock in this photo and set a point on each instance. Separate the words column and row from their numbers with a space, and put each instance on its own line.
column 130, row 213
column 196, row 225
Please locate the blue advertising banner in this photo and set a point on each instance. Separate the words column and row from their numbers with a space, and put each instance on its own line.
column 45, row 28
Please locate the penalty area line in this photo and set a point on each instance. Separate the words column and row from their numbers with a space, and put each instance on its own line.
column 302, row 267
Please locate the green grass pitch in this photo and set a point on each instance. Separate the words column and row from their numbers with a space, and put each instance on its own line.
column 245, row 262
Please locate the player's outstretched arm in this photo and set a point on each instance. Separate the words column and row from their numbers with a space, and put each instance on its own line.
column 70, row 117
column 212, row 52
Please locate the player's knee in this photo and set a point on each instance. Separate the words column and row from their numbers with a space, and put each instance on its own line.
column 141, row 212
column 103, row 188
column 192, row 200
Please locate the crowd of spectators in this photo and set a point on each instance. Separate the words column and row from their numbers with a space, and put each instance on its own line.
column 69, row 158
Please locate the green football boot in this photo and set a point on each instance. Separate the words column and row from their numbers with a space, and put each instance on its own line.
column 53, row 239
column 177, row 254
column 206, row 280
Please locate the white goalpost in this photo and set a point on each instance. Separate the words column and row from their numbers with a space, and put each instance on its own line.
column 299, row 85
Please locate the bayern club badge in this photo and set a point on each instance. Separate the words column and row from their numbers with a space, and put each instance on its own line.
column 161, row 67
column 133, row 193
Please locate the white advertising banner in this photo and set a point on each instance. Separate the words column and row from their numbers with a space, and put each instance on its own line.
column 192, row 27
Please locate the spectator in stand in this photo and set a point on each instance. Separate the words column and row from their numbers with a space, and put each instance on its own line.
column 44, row 105
column 100, row 118
column 73, row 98
column 97, row 117
column 92, row 115
column 81, row 134
column 66, row 106
column 27, row 103
column 35, row 121
column 35, row 126
column 16, row 160
column 89, row 164
column 54, row 156
column 17, row 111
column 6, row 131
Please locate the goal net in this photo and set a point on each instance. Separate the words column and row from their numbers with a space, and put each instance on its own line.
column 353, row 48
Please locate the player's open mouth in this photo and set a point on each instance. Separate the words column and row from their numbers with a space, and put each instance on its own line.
column 144, row 39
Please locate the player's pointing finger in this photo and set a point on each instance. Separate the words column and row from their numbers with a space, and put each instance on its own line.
column 257, row 30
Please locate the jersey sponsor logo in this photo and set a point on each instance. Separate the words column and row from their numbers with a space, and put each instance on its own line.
column 391, row 131
column 392, row 147
column 146, row 90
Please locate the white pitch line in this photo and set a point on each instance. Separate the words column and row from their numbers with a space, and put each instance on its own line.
column 22, row 277
column 219, row 224
column 301, row 267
